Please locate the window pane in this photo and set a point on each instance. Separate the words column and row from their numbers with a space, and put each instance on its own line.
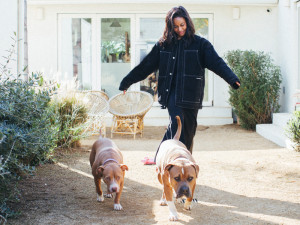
column 76, row 51
column 151, row 28
column 115, row 53
column 201, row 29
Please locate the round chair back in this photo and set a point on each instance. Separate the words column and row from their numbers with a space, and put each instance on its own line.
column 130, row 104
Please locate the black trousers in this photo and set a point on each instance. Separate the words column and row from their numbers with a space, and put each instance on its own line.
column 188, row 119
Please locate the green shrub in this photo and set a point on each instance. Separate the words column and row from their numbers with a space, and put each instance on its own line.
column 293, row 130
column 32, row 126
column 71, row 117
column 257, row 98
column 28, row 137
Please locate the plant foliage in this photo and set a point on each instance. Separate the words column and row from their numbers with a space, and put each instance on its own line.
column 293, row 130
column 71, row 117
column 257, row 98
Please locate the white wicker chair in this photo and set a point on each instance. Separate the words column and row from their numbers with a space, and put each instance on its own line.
column 98, row 106
column 128, row 112
column 102, row 93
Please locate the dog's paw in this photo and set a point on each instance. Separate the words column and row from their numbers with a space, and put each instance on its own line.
column 195, row 200
column 108, row 195
column 163, row 202
column 118, row 207
column 187, row 205
column 100, row 198
column 173, row 217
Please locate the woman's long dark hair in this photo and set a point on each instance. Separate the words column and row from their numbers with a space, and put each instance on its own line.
column 169, row 35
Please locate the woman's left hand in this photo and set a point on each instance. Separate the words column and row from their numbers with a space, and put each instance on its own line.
column 237, row 83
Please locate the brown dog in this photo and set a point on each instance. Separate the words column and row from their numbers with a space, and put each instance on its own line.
column 107, row 162
column 177, row 170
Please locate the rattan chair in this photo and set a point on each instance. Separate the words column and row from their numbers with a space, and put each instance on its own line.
column 97, row 106
column 102, row 93
column 128, row 112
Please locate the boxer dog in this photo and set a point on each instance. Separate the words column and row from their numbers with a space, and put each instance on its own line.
column 178, row 171
column 107, row 163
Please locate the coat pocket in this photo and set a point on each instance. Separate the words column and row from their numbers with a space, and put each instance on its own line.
column 191, row 63
column 193, row 89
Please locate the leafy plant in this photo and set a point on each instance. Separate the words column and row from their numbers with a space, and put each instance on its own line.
column 257, row 98
column 27, row 138
column 113, row 47
column 71, row 116
column 32, row 126
column 293, row 130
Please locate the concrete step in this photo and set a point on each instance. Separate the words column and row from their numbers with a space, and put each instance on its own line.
column 281, row 119
column 273, row 133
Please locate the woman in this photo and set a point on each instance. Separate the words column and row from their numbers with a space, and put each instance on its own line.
column 181, row 57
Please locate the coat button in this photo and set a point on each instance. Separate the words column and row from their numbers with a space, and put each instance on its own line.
column 170, row 73
column 173, row 57
column 167, row 90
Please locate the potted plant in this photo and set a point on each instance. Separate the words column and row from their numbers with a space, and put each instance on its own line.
column 112, row 48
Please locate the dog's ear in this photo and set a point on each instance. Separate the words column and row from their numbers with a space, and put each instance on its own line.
column 168, row 167
column 99, row 170
column 196, row 167
column 123, row 167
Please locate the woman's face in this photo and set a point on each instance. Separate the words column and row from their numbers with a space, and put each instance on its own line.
column 179, row 26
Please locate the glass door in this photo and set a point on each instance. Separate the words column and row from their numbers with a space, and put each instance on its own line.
column 115, row 47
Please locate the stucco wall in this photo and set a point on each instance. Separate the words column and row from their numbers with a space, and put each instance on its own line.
column 288, row 53
column 256, row 29
column 8, row 25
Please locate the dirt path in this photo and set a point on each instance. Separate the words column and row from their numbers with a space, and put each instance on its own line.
column 244, row 179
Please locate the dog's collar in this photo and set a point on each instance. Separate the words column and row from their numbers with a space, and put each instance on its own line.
column 109, row 160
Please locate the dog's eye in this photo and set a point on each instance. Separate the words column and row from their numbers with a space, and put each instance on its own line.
column 117, row 178
column 107, row 178
column 190, row 179
column 177, row 178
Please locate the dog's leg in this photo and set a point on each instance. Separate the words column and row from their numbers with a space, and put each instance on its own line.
column 169, row 197
column 117, row 205
column 163, row 201
column 159, row 178
column 100, row 197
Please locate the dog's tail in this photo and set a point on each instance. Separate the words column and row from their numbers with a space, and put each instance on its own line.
column 178, row 132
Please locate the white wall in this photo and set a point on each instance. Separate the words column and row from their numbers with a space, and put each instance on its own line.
column 8, row 25
column 256, row 29
column 288, row 52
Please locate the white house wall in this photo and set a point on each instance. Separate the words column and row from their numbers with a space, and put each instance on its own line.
column 256, row 29
column 288, row 53
column 8, row 25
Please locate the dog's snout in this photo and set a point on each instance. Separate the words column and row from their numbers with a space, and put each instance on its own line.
column 184, row 190
column 114, row 189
